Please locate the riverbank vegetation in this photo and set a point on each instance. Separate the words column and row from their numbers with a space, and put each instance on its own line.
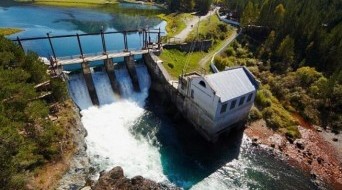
column 200, row 6
column 175, row 22
column 9, row 31
column 295, row 55
column 33, row 130
column 177, row 62
column 210, row 28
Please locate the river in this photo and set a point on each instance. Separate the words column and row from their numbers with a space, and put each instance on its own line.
column 136, row 131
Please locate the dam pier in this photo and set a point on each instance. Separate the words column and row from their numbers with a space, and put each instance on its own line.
column 57, row 63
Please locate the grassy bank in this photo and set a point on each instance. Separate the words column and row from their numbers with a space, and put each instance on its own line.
column 210, row 28
column 206, row 28
column 175, row 22
column 175, row 60
column 9, row 31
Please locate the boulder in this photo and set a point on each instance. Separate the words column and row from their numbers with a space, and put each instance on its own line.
column 115, row 179
column 300, row 144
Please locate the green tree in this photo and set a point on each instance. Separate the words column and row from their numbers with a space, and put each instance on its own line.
column 286, row 53
column 279, row 14
column 250, row 14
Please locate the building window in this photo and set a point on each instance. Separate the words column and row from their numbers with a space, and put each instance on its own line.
column 242, row 99
column 192, row 94
column 224, row 108
column 202, row 83
column 249, row 97
column 232, row 106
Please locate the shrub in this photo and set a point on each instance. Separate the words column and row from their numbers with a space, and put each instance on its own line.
column 254, row 114
column 230, row 51
column 250, row 62
column 59, row 89
column 221, row 62
column 222, row 27
column 170, row 65
column 263, row 98
column 292, row 132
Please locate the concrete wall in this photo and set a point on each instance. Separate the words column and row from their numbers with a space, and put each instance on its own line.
column 90, row 83
column 109, row 67
column 130, row 65
column 203, row 96
column 191, row 46
column 198, row 117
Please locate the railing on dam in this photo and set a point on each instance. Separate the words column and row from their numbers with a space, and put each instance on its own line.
column 147, row 43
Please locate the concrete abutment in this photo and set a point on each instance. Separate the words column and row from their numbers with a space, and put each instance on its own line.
column 130, row 65
column 109, row 66
column 90, row 83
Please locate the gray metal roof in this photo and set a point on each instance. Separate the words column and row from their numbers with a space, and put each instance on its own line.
column 231, row 83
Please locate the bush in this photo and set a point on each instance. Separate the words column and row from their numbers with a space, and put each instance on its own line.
column 223, row 27
column 59, row 89
column 292, row 132
column 170, row 65
column 254, row 114
column 230, row 51
column 250, row 62
column 263, row 98
column 221, row 62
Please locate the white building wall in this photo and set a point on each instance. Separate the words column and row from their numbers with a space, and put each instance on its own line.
column 203, row 96
column 231, row 116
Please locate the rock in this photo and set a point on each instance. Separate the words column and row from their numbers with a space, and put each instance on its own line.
column 320, row 160
column 273, row 145
column 313, row 175
column 86, row 188
column 115, row 179
column 137, row 180
column 319, row 130
column 254, row 144
column 290, row 139
column 300, row 144
column 255, row 139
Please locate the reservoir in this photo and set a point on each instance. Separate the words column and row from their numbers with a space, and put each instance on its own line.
column 136, row 131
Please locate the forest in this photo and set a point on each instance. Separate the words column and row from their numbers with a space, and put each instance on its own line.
column 201, row 6
column 28, row 137
column 295, row 50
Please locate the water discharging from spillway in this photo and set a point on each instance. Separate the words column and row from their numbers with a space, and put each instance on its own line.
column 110, row 140
column 130, row 132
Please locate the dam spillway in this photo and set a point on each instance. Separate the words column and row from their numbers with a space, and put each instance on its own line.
column 78, row 88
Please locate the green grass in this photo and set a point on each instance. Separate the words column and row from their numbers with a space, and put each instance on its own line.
column 174, row 61
column 175, row 22
column 205, row 27
column 9, row 31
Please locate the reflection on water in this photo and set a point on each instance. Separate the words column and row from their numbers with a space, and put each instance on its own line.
column 38, row 21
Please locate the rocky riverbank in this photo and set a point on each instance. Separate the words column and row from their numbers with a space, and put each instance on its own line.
column 78, row 173
column 311, row 152
column 115, row 179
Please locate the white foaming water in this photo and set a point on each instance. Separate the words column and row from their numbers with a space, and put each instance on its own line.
column 110, row 142
column 229, row 176
column 103, row 88
column 79, row 92
column 125, row 81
